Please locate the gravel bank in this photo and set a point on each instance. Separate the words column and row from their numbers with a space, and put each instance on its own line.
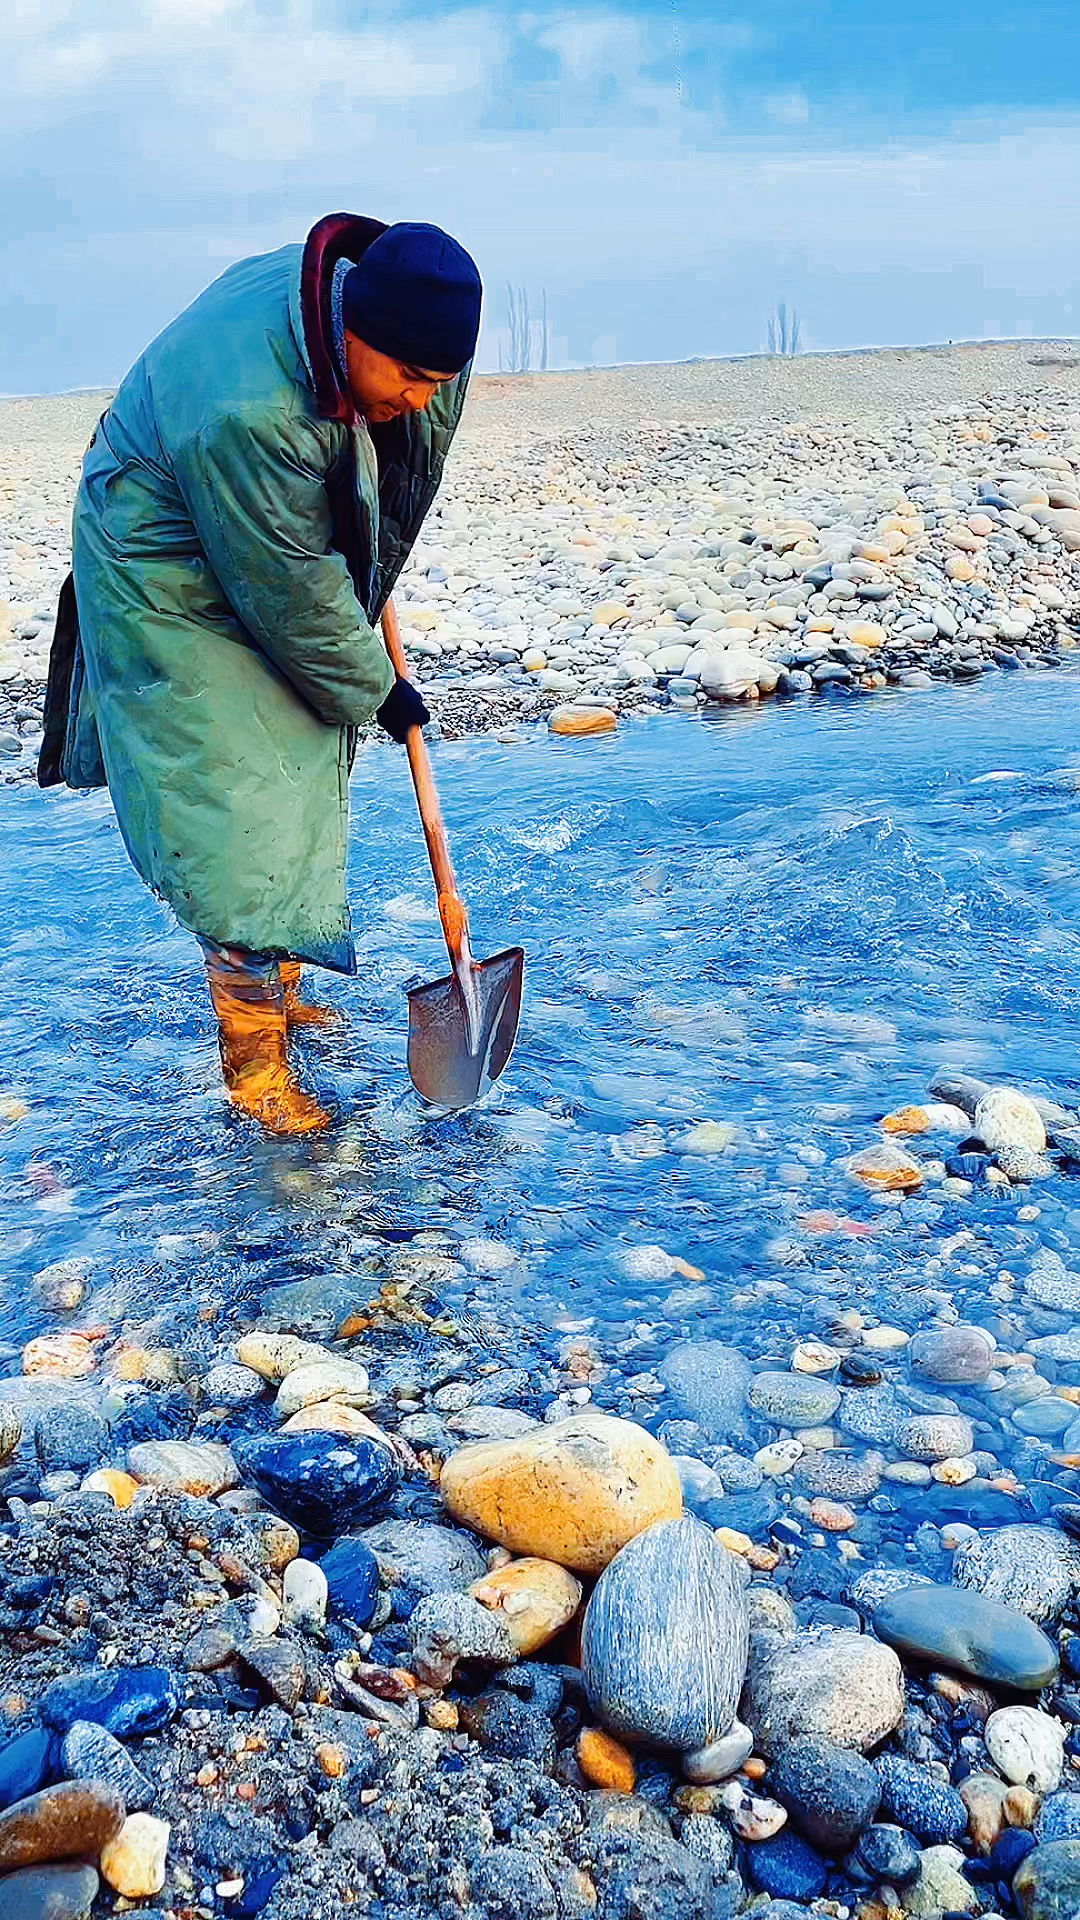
column 647, row 536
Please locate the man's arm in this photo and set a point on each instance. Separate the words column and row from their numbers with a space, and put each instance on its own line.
column 254, row 488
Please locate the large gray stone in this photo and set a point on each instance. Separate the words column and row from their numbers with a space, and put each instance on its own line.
column 834, row 1683
column 48, row 1893
column 423, row 1557
column 709, row 1382
column 953, row 1627
column 793, row 1399
column 664, row 1643
column 1034, row 1569
column 1047, row 1884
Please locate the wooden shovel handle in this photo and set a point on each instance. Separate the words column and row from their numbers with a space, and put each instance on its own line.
column 452, row 911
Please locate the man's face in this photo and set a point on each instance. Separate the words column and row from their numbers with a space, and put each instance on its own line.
column 383, row 388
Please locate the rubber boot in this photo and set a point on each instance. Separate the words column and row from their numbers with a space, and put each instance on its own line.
column 250, row 1008
column 304, row 1013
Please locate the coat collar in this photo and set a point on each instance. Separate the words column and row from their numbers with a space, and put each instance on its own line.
column 337, row 236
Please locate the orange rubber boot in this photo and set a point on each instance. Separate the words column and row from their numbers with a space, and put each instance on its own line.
column 304, row 1013
column 254, row 1062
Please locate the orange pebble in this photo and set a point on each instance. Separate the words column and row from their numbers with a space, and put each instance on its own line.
column 581, row 720
column 755, row 1768
column 907, row 1120
column 120, row 1487
column 331, row 1759
column 603, row 1761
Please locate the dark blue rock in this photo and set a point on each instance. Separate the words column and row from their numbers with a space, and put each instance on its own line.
column 130, row 1701
column 259, row 1888
column 1008, row 1850
column 915, row 1799
column 787, row 1868
column 831, row 1795
column 886, row 1856
column 352, row 1575
column 1058, row 1818
column 26, row 1765
column 512, row 1728
column 325, row 1484
column 1070, row 1656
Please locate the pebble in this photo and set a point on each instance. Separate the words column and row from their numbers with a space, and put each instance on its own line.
column 936, row 1436
column 121, row 1488
column 128, row 1702
column 447, row 1627
column 323, row 1483
column 181, row 1466
column 941, row 1886
column 76, row 1818
column 970, row 1632
column 887, row 1167
column 1047, row 1883
column 331, row 1379
column 813, row 1356
column 831, row 1683
column 26, row 1764
column 605, row 1762
column 274, row 1355
column 709, row 1381
column 133, row 1863
column 664, row 1641
column 793, row 1399
column 1027, row 1747
column 535, row 1598
column 787, row 1868
column 958, row 1355
column 90, row 1752
column 231, row 1385
column 48, row 1893
column 885, row 1854
column 61, row 1356
column 305, row 1595
column 831, row 1795
column 419, row 1557
column 1005, row 1119
column 574, row 1492
column 1035, row 1570
column 721, row 1758
column 918, row 1801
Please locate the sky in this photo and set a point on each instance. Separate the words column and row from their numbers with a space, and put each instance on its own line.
column 663, row 173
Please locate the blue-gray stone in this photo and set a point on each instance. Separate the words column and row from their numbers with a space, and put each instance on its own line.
column 48, row 1893
column 793, row 1399
column 787, row 1868
column 324, row 1483
column 91, row 1752
column 969, row 1632
column 1036, row 1570
column 352, row 1577
column 1046, row 1885
column 1058, row 1818
column 708, row 1381
column 915, row 1799
column 423, row 1558
column 665, row 1638
column 831, row 1795
column 874, row 1414
column 1047, row 1418
column 129, row 1701
column 886, row 1856
column 27, row 1764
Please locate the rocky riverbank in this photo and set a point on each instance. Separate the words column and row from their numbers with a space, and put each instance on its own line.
column 351, row 1602
column 673, row 536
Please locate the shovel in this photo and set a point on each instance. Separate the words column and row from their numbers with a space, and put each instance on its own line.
column 461, row 1028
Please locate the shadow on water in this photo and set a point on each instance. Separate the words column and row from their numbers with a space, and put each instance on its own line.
column 783, row 918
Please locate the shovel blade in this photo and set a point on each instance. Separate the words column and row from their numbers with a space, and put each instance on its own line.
column 443, row 1066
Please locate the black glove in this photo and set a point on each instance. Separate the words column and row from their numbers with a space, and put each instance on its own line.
column 402, row 709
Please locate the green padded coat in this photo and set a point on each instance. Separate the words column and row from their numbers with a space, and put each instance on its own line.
column 236, row 533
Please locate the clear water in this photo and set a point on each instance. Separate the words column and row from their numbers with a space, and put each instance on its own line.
column 786, row 918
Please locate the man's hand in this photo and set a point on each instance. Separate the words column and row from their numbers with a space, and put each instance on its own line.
column 402, row 709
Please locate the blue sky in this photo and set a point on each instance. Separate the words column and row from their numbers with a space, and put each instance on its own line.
column 665, row 172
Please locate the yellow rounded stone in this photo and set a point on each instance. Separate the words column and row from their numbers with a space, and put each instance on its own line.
column 887, row 1167
column 535, row 1599
column 907, row 1120
column 872, row 551
column 609, row 613
column 574, row 1492
column 273, row 1355
column 64, row 1356
column 120, row 1487
column 865, row 633
column 734, row 1541
column 604, row 1762
column 330, row 1379
column 133, row 1864
column 958, row 568
column 579, row 721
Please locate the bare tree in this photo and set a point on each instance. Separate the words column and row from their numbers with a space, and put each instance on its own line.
column 785, row 330
column 527, row 341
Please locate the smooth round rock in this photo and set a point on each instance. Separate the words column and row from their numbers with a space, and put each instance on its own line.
column 26, row 1764
column 129, row 1702
column 322, row 1482
column 72, row 1820
column 721, row 1758
column 793, row 1399
column 920, row 1802
column 133, row 1862
column 305, row 1596
column 951, row 1356
column 574, row 1492
column 951, row 1627
column 941, row 1886
column 330, row 1379
column 830, row 1793
column 183, row 1466
column 1047, row 1884
column 535, row 1598
column 787, row 1868
column 419, row 1557
column 48, row 1893
column 830, row 1682
column 936, row 1436
column 886, row 1855
column 231, row 1385
column 664, row 1643
column 708, row 1382
column 1005, row 1119
column 1027, row 1746
column 274, row 1355
column 351, row 1572
column 1035, row 1570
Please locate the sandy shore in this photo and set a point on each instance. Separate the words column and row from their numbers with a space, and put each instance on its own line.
column 636, row 536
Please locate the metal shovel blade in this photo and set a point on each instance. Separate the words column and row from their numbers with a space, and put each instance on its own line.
column 444, row 1067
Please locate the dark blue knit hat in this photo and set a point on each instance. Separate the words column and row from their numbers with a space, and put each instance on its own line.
column 415, row 294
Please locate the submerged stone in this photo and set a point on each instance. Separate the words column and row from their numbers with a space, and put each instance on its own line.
column 1036, row 1570
column 664, row 1642
column 793, row 1399
column 708, row 1380
column 969, row 1632
column 322, row 1482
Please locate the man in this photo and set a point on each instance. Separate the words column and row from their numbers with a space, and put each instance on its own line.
column 246, row 505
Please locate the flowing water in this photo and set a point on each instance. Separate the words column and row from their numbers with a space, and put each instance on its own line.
column 783, row 918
